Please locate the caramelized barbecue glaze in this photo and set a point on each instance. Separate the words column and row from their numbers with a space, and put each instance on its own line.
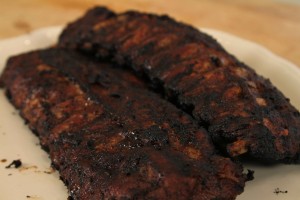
column 243, row 112
column 111, row 138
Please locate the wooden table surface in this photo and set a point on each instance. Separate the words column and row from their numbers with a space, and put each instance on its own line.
column 273, row 24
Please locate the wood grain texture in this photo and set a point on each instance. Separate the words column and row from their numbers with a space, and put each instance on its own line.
column 274, row 24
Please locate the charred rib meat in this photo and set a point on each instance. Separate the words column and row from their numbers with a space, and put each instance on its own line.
column 243, row 112
column 109, row 137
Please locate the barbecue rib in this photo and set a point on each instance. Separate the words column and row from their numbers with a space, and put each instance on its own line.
column 109, row 137
column 243, row 112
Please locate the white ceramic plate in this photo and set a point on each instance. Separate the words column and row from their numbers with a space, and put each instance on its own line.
column 35, row 179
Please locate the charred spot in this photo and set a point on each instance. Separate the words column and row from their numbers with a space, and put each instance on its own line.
column 70, row 198
column 45, row 148
column 115, row 95
column 15, row 164
column 46, row 105
column 91, row 144
column 155, row 136
column 172, row 95
column 102, row 79
column 203, row 182
column 120, row 124
column 47, row 84
column 100, row 11
column 204, row 117
column 26, row 121
column 2, row 85
column 46, row 125
column 8, row 94
column 45, row 72
column 189, row 108
column 120, row 59
column 250, row 175
column 296, row 113
column 191, row 65
column 165, row 18
column 215, row 61
column 91, row 180
column 186, row 168
column 156, row 83
column 70, row 139
column 100, row 52
column 93, row 78
column 77, row 142
column 131, row 164
column 146, row 48
column 129, row 103
column 280, row 107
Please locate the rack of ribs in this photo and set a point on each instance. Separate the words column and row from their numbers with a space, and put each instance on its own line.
column 242, row 111
column 110, row 137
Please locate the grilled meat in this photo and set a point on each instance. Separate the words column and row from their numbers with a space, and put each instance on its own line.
column 109, row 137
column 243, row 112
